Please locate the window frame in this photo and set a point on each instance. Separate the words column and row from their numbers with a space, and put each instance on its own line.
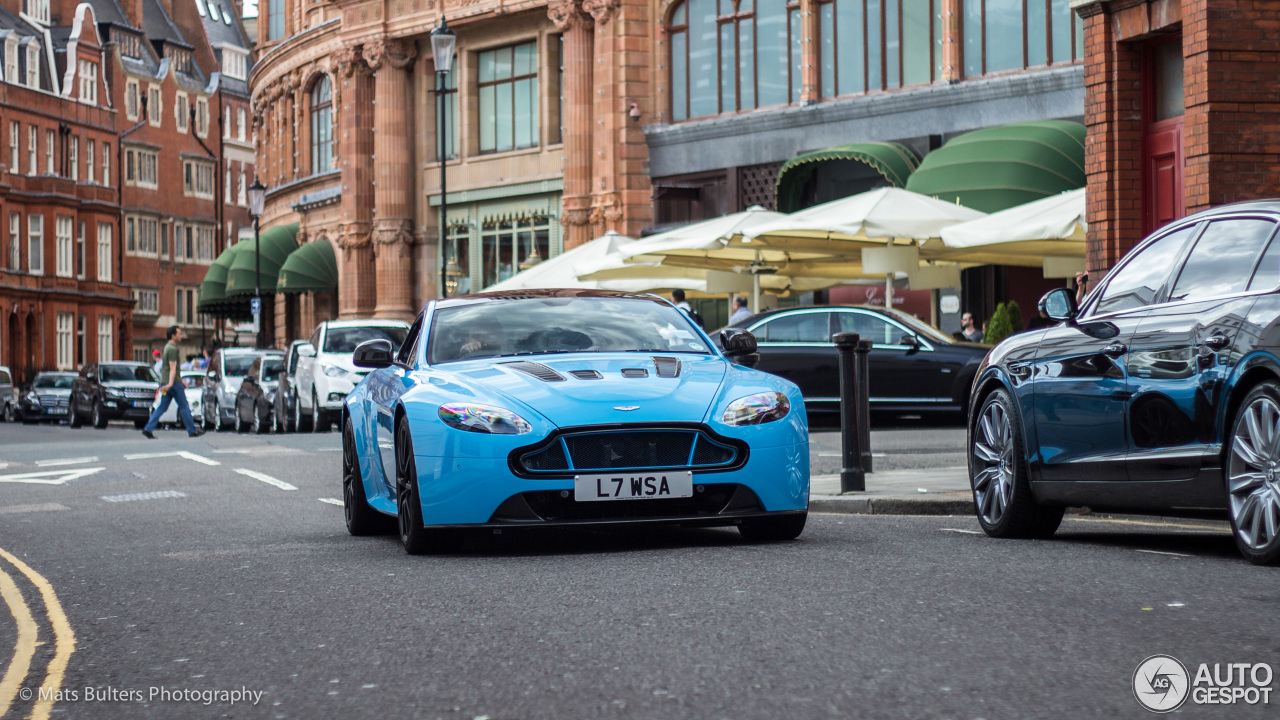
column 320, row 116
column 1076, row 39
column 64, row 246
column 104, row 251
column 510, row 81
column 88, row 76
column 35, row 241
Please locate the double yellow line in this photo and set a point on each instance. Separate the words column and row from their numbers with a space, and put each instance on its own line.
column 25, row 647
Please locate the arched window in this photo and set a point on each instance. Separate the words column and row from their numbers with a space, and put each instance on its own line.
column 730, row 55
column 321, row 125
column 867, row 45
column 997, row 31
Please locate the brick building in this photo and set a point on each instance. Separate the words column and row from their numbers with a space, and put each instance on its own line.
column 62, row 303
column 1181, row 102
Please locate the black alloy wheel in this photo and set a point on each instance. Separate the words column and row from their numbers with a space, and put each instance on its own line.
column 998, row 475
column 416, row 538
column 73, row 413
column 362, row 519
column 319, row 419
column 299, row 419
column 99, row 418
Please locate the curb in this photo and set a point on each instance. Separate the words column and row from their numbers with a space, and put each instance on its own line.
column 854, row 505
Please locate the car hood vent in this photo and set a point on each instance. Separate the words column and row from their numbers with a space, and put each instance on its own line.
column 635, row 373
column 538, row 370
column 667, row 367
column 586, row 374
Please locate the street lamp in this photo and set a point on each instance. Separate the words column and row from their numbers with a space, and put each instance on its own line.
column 257, row 195
column 442, row 42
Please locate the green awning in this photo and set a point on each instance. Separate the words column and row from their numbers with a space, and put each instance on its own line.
column 277, row 244
column 893, row 161
column 311, row 268
column 213, row 290
column 997, row 168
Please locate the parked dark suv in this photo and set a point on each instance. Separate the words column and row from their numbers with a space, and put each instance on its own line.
column 113, row 391
column 1159, row 394
column 48, row 397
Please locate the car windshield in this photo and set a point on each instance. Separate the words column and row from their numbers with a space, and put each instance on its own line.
column 345, row 339
column 54, row 382
column 560, row 325
column 126, row 373
column 193, row 380
column 237, row 364
column 271, row 367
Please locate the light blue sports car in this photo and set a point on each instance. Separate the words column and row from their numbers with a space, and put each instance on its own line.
column 569, row 407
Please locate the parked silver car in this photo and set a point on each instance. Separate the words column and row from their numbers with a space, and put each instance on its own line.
column 227, row 370
column 8, row 401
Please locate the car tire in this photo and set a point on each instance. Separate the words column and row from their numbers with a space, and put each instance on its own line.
column 773, row 529
column 299, row 418
column 99, row 418
column 261, row 421
column 205, row 422
column 278, row 421
column 73, row 414
column 319, row 418
column 362, row 520
column 416, row 538
column 998, row 477
column 242, row 425
column 9, row 414
column 1252, row 477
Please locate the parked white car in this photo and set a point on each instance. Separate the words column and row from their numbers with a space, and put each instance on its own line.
column 325, row 372
column 194, row 380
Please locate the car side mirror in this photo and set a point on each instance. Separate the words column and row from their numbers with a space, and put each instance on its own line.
column 1059, row 305
column 373, row 354
column 911, row 342
column 739, row 346
column 307, row 351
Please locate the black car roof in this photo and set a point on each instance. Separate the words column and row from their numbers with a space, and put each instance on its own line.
column 489, row 297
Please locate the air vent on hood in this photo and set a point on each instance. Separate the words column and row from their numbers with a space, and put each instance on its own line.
column 586, row 374
column 635, row 372
column 538, row 370
column 667, row 367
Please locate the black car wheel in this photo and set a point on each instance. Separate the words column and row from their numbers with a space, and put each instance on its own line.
column 73, row 413
column 361, row 518
column 280, row 422
column 773, row 529
column 99, row 418
column 417, row 540
column 299, row 419
column 998, row 475
column 1253, row 475
column 262, row 419
column 9, row 414
column 319, row 418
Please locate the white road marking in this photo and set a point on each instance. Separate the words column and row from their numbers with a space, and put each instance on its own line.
column 230, row 452
column 265, row 478
column 154, row 495
column 50, row 477
column 331, row 501
column 1161, row 552
column 66, row 461
column 181, row 453
column 966, row 532
column 38, row 507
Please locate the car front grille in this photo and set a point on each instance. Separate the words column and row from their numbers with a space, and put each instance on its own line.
column 138, row 393
column 53, row 402
column 639, row 448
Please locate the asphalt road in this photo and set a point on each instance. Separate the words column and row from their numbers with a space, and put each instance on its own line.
column 179, row 574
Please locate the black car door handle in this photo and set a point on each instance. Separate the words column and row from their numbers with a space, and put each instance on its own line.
column 1216, row 342
column 1114, row 350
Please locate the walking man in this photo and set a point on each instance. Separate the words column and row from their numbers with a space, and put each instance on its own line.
column 173, row 389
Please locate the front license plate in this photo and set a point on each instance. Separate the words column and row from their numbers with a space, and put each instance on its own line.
column 57, row 411
column 141, row 403
column 633, row 486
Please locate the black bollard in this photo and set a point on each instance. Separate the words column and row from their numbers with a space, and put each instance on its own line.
column 864, row 402
column 852, row 476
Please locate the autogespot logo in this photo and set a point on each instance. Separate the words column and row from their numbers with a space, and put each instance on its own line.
column 1161, row 683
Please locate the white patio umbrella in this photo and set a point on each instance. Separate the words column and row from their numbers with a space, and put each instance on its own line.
column 1029, row 235
column 558, row 272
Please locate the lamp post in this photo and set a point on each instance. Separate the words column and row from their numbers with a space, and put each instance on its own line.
column 442, row 42
column 257, row 194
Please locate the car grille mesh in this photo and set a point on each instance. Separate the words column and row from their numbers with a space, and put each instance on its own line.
column 654, row 448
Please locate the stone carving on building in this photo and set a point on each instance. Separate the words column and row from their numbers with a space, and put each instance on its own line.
column 348, row 60
column 563, row 13
column 394, row 51
column 601, row 11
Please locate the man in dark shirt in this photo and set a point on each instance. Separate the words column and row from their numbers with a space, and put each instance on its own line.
column 172, row 387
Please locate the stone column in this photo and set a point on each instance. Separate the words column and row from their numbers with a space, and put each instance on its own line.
column 578, row 62
column 357, row 291
column 393, row 174
column 952, row 41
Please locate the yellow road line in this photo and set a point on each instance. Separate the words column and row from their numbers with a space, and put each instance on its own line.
column 24, row 649
column 65, row 642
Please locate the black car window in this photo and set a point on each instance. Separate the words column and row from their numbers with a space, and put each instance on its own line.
column 4, row 378
column 1222, row 258
column 1139, row 280
column 293, row 359
column 126, row 373
column 870, row 327
column 237, row 365
column 800, row 327
column 271, row 367
column 56, row 382
column 409, row 350
column 345, row 339
column 1267, row 276
column 315, row 338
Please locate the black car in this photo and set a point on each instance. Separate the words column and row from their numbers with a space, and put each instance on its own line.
column 47, row 398
column 256, row 399
column 113, row 391
column 912, row 367
column 1160, row 394
column 286, row 403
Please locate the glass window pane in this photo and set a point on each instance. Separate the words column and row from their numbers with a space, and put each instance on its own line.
column 1137, row 282
column 1169, row 97
column 678, row 17
column 502, row 63
column 917, row 43
column 1062, row 18
column 747, row 62
column 505, row 116
column 875, row 48
column 679, row 91
column 1267, row 276
column 488, row 120
column 772, row 81
column 728, row 95
column 1004, row 35
column 704, row 78
column 870, row 327
column 1079, row 25
column 850, row 43
column 486, row 66
column 796, row 56
column 972, row 37
column 489, row 251
column 526, row 59
column 526, row 114
column 937, row 40
column 801, row 327
column 827, row 49
column 892, row 41
column 1222, row 259
column 1037, row 34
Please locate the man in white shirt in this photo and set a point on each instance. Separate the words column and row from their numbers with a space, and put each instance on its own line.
column 740, row 311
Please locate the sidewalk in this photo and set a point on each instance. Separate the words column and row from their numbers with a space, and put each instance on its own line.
column 930, row 491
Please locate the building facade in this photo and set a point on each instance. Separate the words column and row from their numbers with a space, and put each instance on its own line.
column 574, row 117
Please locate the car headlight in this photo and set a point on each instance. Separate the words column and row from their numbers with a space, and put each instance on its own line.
column 335, row 371
column 32, row 397
column 113, row 393
column 483, row 419
column 757, row 409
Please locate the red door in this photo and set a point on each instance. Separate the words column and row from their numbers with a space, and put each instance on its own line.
column 1165, row 199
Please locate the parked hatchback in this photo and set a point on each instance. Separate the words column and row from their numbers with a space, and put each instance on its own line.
column 1159, row 394
column 912, row 366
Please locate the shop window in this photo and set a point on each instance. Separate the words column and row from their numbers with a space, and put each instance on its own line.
column 508, row 246
column 1013, row 34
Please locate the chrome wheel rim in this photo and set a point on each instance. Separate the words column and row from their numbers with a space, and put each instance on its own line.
column 1253, row 475
column 993, row 458
column 404, row 487
column 348, row 478
column 297, row 415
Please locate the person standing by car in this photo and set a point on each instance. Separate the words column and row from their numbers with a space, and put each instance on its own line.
column 969, row 329
column 740, row 311
column 172, row 389
column 677, row 299
column 157, row 364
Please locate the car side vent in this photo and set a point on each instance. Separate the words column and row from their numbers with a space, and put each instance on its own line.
column 586, row 374
column 635, row 372
column 538, row 370
column 667, row 367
